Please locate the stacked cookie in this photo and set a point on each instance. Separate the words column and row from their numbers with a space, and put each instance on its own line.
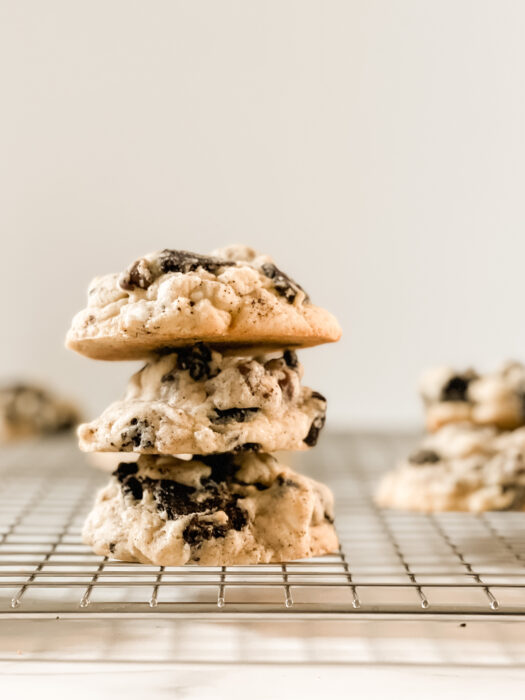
column 474, row 457
column 221, row 389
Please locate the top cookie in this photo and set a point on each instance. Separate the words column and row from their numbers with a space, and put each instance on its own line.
column 495, row 398
column 234, row 298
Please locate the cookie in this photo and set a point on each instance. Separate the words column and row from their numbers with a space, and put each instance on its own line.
column 461, row 467
column 28, row 410
column 172, row 298
column 496, row 398
column 198, row 401
column 215, row 511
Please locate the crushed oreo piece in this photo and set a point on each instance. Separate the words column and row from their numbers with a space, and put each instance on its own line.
column 125, row 469
column 317, row 395
column 139, row 434
column 139, row 274
column 291, row 359
column 457, row 387
column 112, row 547
column 316, row 427
column 222, row 465
column 174, row 498
column 232, row 415
column 257, row 484
column 142, row 273
column 424, row 457
column 198, row 530
column 283, row 285
column 131, row 485
column 184, row 261
column 248, row 447
column 281, row 481
column 236, row 515
column 196, row 359
column 177, row 500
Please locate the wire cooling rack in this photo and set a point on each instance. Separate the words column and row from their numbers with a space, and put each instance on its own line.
column 390, row 563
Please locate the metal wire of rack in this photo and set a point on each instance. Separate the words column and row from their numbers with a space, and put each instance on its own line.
column 390, row 564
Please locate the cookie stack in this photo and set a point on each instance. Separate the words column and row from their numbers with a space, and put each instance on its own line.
column 221, row 389
column 474, row 457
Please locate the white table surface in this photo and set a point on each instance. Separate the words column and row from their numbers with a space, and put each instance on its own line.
column 187, row 659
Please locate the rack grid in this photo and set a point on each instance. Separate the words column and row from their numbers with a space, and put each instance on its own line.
column 390, row 563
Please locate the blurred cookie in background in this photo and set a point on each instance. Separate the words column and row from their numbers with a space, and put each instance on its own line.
column 461, row 467
column 493, row 398
column 30, row 410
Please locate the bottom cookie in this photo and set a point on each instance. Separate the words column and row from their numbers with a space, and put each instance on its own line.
column 461, row 467
column 217, row 510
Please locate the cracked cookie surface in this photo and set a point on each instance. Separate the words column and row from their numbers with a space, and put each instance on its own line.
column 198, row 401
column 460, row 467
column 218, row 510
column 234, row 297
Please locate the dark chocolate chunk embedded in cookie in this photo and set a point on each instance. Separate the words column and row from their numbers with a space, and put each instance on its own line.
column 248, row 447
column 283, row 285
column 132, row 485
column 456, row 389
column 198, row 530
column 197, row 360
column 184, row 261
column 174, row 498
column 290, row 483
column 315, row 428
column 291, row 359
column 125, row 469
column 222, row 465
column 139, row 274
column 177, row 500
column 139, row 435
column 142, row 273
column 232, row 415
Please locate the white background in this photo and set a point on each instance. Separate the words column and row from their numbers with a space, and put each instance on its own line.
column 376, row 149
